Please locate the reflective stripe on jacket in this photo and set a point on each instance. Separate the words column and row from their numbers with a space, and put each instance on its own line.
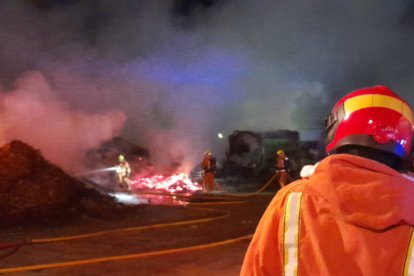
column 353, row 216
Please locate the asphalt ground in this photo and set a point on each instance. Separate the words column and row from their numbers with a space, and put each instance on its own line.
column 207, row 236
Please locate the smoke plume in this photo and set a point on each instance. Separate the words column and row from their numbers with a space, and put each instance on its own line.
column 33, row 114
column 182, row 71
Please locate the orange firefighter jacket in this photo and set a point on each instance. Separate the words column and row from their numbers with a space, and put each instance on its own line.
column 209, row 164
column 353, row 216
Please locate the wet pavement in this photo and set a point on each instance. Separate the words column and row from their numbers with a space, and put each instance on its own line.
column 187, row 236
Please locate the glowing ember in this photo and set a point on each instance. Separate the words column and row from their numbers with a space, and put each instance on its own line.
column 176, row 183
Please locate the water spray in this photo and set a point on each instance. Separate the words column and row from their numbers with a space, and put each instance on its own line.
column 109, row 169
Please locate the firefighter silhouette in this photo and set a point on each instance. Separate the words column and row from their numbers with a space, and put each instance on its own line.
column 123, row 172
column 209, row 167
column 282, row 167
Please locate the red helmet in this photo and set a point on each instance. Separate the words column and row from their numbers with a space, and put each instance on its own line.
column 373, row 117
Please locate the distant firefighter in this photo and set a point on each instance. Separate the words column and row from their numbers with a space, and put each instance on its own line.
column 209, row 167
column 123, row 172
column 282, row 168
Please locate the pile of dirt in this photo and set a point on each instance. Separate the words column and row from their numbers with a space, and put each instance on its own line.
column 32, row 190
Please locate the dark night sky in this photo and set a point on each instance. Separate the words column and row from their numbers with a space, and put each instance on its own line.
column 169, row 75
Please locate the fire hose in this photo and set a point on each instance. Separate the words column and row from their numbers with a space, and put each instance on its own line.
column 100, row 233
column 125, row 257
column 267, row 184
column 13, row 244
column 16, row 245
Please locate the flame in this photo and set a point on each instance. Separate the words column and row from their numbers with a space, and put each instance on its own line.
column 175, row 183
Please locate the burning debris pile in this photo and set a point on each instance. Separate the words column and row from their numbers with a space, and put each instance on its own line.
column 32, row 189
column 144, row 176
column 175, row 183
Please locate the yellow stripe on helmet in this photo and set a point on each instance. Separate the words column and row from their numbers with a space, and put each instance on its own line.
column 375, row 100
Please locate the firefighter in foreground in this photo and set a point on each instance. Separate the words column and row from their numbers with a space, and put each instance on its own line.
column 282, row 168
column 355, row 214
column 123, row 172
column 209, row 167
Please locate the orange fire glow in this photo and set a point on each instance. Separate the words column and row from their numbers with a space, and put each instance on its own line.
column 175, row 183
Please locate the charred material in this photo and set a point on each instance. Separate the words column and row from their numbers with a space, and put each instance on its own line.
column 33, row 190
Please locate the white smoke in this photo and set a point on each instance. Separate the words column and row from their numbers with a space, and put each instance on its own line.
column 32, row 113
column 181, row 79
